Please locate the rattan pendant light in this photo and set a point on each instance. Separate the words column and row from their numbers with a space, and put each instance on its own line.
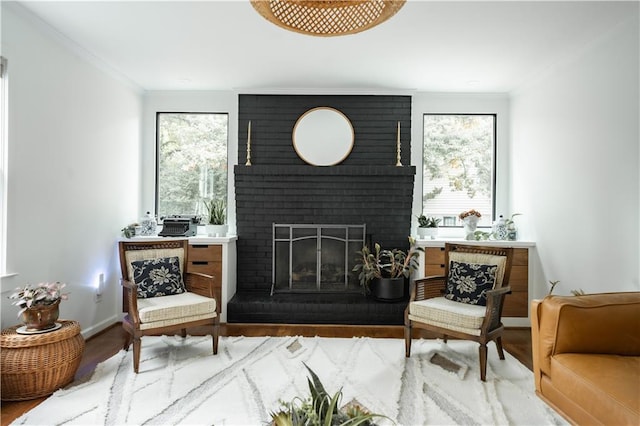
column 327, row 18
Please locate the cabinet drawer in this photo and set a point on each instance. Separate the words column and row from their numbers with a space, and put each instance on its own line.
column 519, row 278
column 516, row 304
column 205, row 252
column 520, row 257
column 434, row 255
column 204, row 267
column 431, row 270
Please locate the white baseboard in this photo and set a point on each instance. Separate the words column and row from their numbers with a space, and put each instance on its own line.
column 516, row 322
column 97, row 328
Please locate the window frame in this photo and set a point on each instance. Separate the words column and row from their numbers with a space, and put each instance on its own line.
column 157, row 148
column 494, row 163
column 4, row 162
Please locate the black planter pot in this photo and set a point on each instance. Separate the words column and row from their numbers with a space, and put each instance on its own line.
column 388, row 289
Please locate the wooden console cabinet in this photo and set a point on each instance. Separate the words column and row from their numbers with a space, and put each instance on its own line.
column 207, row 259
column 516, row 304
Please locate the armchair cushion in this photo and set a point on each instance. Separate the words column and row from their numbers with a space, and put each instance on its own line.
column 158, row 277
column 176, row 309
column 445, row 313
column 468, row 282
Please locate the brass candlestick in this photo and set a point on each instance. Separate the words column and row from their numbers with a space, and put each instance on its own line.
column 248, row 163
column 398, row 162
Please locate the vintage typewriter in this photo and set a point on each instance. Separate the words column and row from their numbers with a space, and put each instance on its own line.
column 179, row 226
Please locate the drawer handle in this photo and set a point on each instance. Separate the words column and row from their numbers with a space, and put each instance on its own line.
column 200, row 262
column 442, row 265
column 200, row 246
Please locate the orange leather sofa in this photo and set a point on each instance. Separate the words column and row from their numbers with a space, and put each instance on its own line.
column 586, row 356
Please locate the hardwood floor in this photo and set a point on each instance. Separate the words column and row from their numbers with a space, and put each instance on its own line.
column 516, row 341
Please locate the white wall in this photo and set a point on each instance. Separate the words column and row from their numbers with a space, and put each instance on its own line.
column 188, row 101
column 575, row 160
column 73, row 178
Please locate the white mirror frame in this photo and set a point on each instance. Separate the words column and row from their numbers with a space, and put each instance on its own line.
column 323, row 136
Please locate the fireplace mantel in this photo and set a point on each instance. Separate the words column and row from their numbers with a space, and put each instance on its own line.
column 295, row 170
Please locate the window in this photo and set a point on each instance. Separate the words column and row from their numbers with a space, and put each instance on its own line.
column 191, row 161
column 459, row 166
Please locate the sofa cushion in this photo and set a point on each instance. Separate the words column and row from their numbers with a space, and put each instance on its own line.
column 609, row 385
column 469, row 282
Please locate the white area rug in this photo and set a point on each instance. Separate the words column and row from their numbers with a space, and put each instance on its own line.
column 181, row 382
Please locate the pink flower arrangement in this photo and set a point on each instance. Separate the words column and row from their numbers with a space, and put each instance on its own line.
column 39, row 294
column 469, row 213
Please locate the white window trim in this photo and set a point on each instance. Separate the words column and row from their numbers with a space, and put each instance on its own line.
column 3, row 167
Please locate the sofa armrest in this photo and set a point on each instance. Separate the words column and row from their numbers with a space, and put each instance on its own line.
column 606, row 323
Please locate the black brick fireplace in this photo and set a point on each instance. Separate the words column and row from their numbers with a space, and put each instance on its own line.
column 279, row 187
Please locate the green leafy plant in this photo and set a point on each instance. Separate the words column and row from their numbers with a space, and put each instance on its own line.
column 217, row 210
column 481, row 235
column 428, row 222
column 38, row 294
column 381, row 263
column 320, row 409
column 129, row 230
column 509, row 222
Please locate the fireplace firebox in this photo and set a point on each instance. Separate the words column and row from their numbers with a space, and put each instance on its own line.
column 315, row 258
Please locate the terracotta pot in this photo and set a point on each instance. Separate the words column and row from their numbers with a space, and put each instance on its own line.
column 41, row 317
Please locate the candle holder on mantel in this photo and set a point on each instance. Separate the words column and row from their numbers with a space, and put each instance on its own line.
column 398, row 162
column 248, row 163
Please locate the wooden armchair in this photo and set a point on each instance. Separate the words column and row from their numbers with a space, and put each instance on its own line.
column 452, row 305
column 160, row 297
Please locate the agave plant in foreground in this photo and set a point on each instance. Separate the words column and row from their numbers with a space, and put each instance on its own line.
column 320, row 408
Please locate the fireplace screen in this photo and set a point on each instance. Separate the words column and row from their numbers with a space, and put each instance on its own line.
column 312, row 258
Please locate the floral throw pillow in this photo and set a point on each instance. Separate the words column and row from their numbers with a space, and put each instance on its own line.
column 158, row 277
column 468, row 282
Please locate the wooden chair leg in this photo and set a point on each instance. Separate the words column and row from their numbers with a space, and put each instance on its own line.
column 127, row 342
column 499, row 347
column 136, row 354
column 407, row 340
column 483, row 361
column 215, row 336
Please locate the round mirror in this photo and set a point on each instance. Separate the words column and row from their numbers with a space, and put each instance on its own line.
column 323, row 136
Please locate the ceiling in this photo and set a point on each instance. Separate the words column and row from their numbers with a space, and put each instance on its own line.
column 446, row 46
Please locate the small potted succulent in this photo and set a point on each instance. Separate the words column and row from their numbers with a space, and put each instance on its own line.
column 216, row 218
column 428, row 226
column 383, row 272
column 39, row 304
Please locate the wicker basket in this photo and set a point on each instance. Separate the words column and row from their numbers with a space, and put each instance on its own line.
column 37, row 365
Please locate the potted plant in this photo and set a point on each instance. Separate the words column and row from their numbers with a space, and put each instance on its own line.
column 39, row 304
column 428, row 226
column 320, row 408
column 216, row 218
column 383, row 272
